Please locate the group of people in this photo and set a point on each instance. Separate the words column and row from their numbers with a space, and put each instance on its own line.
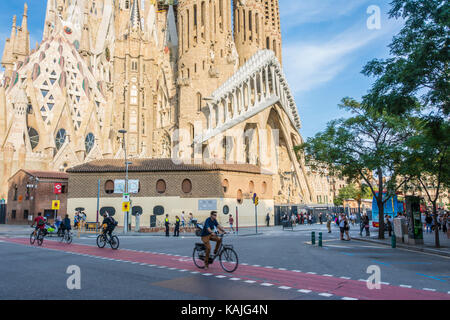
column 43, row 225
column 442, row 221
column 179, row 222
column 299, row 218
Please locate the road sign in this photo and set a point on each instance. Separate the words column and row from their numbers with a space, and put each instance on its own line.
column 55, row 204
column 57, row 188
column 126, row 197
column 256, row 201
column 125, row 206
column 254, row 197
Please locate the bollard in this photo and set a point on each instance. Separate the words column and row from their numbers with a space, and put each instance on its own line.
column 393, row 241
column 320, row 239
column 313, row 238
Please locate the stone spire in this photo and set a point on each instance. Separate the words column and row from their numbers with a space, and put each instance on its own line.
column 135, row 17
column 85, row 45
column 25, row 18
column 7, row 59
column 50, row 16
column 23, row 36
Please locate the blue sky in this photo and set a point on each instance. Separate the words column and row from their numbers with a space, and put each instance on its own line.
column 326, row 43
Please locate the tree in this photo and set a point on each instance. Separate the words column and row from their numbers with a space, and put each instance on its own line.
column 428, row 160
column 370, row 145
column 356, row 191
column 416, row 78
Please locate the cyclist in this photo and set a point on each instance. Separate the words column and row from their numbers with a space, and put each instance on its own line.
column 209, row 235
column 109, row 224
column 40, row 223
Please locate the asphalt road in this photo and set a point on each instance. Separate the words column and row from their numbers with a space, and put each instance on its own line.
column 274, row 265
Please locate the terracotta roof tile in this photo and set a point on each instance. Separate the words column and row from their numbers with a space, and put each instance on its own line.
column 47, row 174
column 159, row 165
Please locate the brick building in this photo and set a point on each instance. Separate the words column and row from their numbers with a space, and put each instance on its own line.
column 167, row 188
column 31, row 192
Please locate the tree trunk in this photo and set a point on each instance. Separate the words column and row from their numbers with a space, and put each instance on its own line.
column 436, row 227
column 380, row 217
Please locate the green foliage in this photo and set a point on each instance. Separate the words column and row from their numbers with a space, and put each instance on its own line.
column 353, row 191
column 418, row 68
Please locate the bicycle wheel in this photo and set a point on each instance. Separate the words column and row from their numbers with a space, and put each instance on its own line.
column 68, row 238
column 229, row 260
column 199, row 258
column 114, row 242
column 40, row 239
column 101, row 241
column 32, row 238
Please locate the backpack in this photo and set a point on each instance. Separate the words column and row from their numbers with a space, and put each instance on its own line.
column 41, row 222
column 198, row 229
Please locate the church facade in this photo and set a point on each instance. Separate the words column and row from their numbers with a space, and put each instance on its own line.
column 192, row 80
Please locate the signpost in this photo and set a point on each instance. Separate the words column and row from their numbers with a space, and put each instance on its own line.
column 255, row 201
column 57, row 189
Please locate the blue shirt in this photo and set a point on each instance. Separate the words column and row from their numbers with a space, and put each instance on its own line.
column 209, row 223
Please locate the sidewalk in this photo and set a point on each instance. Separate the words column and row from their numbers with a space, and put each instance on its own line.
column 427, row 247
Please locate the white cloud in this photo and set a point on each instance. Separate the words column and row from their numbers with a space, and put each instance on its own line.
column 310, row 64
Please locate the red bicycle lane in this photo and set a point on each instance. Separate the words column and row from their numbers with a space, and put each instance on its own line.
column 274, row 277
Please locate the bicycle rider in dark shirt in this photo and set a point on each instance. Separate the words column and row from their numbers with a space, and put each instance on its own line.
column 110, row 224
column 209, row 235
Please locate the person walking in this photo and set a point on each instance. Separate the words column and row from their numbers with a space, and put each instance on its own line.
column 268, row 219
column 166, row 223
column 347, row 228
column 428, row 222
column 329, row 219
column 341, row 226
column 310, row 219
column 231, row 222
column 182, row 219
column 176, row 232
column 364, row 224
column 444, row 223
column 191, row 219
column 320, row 217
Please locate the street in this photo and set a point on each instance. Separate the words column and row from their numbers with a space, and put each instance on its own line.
column 274, row 265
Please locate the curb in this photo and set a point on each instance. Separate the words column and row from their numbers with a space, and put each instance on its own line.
column 402, row 246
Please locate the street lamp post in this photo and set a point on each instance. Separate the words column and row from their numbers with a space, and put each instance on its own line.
column 124, row 146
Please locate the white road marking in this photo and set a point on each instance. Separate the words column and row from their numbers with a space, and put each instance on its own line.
column 304, row 291
column 327, row 275
column 244, row 264
column 250, row 281
column 428, row 289
column 172, row 268
column 296, row 271
column 161, row 267
column 151, row 265
column 221, row 276
column 348, row 298
column 385, row 283
column 347, row 278
column 363, row 280
column 235, row 279
column 143, row 264
column 282, row 269
column 268, row 267
column 284, row 288
column 265, row 284
column 325, row 295
column 182, row 270
column 256, row 265
column 194, row 272
column 311, row 273
column 405, row 286
column 207, row 274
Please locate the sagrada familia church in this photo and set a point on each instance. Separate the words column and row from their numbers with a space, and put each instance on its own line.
column 191, row 79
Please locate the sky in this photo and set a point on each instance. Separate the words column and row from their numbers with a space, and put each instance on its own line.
column 326, row 43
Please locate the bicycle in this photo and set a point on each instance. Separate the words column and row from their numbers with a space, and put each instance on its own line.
column 65, row 236
column 104, row 238
column 227, row 256
column 39, row 236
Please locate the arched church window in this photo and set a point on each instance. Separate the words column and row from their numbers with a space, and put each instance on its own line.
column 199, row 101
column 89, row 142
column 60, row 138
column 34, row 137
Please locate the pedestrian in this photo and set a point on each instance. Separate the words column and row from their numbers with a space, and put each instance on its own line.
column 444, row 223
column 293, row 219
column 347, row 228
column 310, row 219
column 428, row 222
column 388, row 225
column 364, row 224
column 182, row 219
column 329, row 219
column 191, row 219
column 231, row 222
column 341, row 226
column 166, row 223
column 268, row 219
column 176, row 232
column 320, row 217
column 76, row 220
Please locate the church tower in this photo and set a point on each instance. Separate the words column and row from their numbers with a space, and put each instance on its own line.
column 206, row 58
column 248, row 28
column 272, row 28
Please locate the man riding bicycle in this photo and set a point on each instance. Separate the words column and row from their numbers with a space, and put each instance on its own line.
column 209, row 235
column 108, row 224
column 40, row 223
